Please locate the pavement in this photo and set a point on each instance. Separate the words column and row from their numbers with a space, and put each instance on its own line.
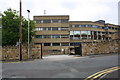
column 59, row 66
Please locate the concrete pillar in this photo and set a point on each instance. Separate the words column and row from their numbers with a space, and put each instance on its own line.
column 87, row 35
column 97, row 35
column 101, row 36
column 93, row 34
column 80, row 36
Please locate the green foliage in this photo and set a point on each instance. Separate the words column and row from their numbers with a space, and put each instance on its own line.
column 10, row 28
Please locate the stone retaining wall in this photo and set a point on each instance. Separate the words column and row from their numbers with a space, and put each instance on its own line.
column 12, row 52
column 100, row 48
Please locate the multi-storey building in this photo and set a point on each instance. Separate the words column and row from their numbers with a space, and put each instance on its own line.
column 58, row 35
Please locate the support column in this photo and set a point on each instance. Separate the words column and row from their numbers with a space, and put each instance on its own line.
column 93, row 34
column 80, row 36
column 101, row 36
column 87, row 35
column 97, row 34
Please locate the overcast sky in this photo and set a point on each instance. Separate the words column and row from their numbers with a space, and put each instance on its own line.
column 79, row 10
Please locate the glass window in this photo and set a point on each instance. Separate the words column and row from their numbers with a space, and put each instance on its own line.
column 55, row 36
column 37, row 21
column 49, row 28
column 112, row 27
column 116, row 28
column 47, row 44
column 83, row 25
column 64, row 29
column 109, row 27
column 37, row 29
column 65, row 44
column 89, row 33
column 72, row 25
column 95, row 26
column 76, row 32
column 46, row 21
column 84, row 32
column 45, row 29
column 76, row 25
column 55, row 20
column 38, row 36
column 64, row 21
column 75, row 43
column 71, row 32
column 64, row 36
column 47, row 36
column 55, row 44
column 54, row 28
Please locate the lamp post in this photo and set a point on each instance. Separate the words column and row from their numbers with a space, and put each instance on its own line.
column 28, row 33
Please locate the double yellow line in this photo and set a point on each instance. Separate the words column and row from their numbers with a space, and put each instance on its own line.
column 99, row 74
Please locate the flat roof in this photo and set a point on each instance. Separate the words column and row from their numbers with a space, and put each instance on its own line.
column 49, row 15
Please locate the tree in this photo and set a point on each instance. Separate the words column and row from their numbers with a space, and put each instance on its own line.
column 10, row 28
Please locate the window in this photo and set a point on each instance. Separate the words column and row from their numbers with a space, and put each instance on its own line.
column 47, row 36
column 71, row 32
column 112, row 27
column 64, row 36
column 54, row 28
column 104, row 27
column 116, row 28
column 76, row 32
column 64, row 29
column 46, row 21
column 75, row 44
column 45, row 29
column 109, row 27
column 65, row 44
column 95, row 26
column 47, row 44
column 49, row 28
column 72, row 25
column 55, row 36
column 37, row 21
column 89, row 25
column 76, row 25
column 55, row 44
column 84, row 32
column 64, row 21
column 55, row 20
column 83, row 25
column 38, row 36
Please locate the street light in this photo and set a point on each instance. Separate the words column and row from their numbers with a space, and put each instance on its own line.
column 28, row 33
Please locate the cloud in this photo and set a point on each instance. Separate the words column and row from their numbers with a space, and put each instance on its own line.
column 88, row 10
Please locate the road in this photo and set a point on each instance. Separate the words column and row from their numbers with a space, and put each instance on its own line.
column 60, row 66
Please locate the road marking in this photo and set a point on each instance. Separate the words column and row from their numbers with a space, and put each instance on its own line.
column 100, row 73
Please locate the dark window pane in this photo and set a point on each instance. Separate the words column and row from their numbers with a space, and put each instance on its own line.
column 64, row 36
column 55, row 36
column 37, row 21
column 46, row 21
column 64, row 21
column 65, row 44
column 54, row 28
column 46, row 44
column 47, row 36
column 56, row 44
column 55, row 20
column 38, row 36
column 64, row 28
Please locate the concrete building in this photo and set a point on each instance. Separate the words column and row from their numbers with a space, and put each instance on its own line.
column 58, row 35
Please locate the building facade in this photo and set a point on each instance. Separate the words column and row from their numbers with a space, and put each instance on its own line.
column 58, row 35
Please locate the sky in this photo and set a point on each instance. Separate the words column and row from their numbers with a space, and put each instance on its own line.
column 78, row 10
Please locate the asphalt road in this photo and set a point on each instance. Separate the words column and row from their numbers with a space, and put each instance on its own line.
column 59, row 66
